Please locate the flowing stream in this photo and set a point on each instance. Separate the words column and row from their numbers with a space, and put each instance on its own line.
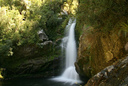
column 69, row 45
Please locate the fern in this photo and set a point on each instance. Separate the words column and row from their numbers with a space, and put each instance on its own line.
column 124, row 29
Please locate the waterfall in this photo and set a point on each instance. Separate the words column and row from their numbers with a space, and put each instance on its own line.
column 69, row 46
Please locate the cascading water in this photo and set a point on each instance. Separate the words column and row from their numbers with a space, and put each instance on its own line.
column 69, row 45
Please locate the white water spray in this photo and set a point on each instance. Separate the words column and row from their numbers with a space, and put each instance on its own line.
column 69, row 45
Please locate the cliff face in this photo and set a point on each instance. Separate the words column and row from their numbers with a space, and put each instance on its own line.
column 33, row 60
column 98, row 50
column 105, row 42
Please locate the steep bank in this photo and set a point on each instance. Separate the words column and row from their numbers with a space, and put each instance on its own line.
column 103, row 35
column 97, row 50
column 103, row 31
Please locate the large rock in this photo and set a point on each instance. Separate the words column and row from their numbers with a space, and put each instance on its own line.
column 33, row 59
column 42, row 35
column 114, row 75
column 38, row 67
column 98, row 50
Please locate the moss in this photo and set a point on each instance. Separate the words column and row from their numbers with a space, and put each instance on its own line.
column 98, row 50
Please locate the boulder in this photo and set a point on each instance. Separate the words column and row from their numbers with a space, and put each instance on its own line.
column 42, row 35
column 113, row 75
column 32, row 59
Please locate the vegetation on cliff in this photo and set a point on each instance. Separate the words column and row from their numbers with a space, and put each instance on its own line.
column 20, row 21
column 103, row 30
column 103, row 15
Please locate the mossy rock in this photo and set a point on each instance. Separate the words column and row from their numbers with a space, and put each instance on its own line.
column 98, row 50
column 30, row 59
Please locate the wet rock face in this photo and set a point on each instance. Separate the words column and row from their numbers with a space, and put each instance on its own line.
column 42, row 35
column 114, row 75
column 27, row 59
column 33, row 59
column 38, row 67
column 98, row 50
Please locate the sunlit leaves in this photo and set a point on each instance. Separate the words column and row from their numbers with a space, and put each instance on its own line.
column 21, row 19
column 10, row 52
column 13, row 28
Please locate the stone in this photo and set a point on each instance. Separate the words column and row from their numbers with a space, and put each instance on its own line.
column 46, row 43
column 42, row 35
column 126, row 46
column 117, row 77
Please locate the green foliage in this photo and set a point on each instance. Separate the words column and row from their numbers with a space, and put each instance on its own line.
column 15, row 31
column 102, row 14
column 21, row 19
column 124, row 29
column 49, row 19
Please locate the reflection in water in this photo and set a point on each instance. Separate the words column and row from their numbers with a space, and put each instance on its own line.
column 33, row 82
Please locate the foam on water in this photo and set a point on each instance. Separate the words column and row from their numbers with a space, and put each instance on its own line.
column 69, row 76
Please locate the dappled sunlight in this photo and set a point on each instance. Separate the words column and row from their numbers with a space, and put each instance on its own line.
column 74, row 6
column 1, row 77
column 27, row 3
column 66, row 6
column 3, row 10
column 12, row 19
column 71, row 7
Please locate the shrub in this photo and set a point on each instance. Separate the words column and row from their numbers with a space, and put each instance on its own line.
column 102, row 13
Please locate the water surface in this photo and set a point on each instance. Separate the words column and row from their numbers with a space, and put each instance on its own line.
column 34, row 82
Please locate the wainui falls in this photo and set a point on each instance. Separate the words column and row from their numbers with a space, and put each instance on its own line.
column 69, row 76
column 69, row 46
